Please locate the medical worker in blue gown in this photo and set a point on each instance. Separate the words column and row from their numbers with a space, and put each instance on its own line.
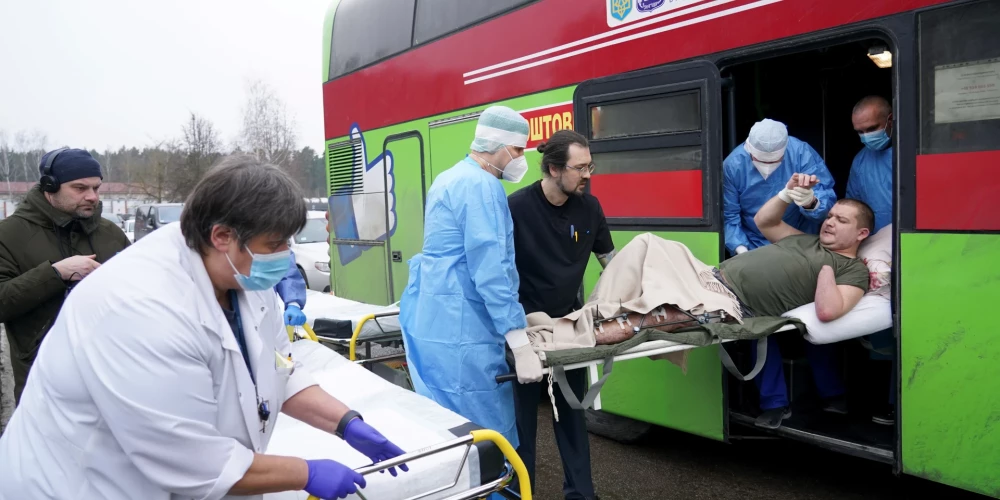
column 292, row 290
column 871, row 172
column 757, row 170
column 461, row 304
column 870, row 181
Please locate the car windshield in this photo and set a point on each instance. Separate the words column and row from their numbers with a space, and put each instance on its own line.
column 169, row 214
column 313, row 232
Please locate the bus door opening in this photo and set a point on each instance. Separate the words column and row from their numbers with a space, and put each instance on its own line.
column 814, row 94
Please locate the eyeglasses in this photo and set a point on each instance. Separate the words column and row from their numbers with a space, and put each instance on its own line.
column 590, row 168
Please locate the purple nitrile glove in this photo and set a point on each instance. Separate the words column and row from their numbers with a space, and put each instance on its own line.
column 367, row 440
column 329, row 479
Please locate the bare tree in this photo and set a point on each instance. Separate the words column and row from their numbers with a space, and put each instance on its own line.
column 154, row 176
column 268, row 132
column 5, row 162
column 32, row 146
column 201, row 147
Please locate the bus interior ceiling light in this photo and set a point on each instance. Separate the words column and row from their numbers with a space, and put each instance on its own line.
column 881, row 56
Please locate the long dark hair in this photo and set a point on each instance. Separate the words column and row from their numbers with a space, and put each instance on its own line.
column 555, row 151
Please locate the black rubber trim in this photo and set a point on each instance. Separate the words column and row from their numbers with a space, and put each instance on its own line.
column 491, row 460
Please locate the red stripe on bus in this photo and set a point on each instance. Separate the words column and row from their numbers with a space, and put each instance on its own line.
column 957, row 191
column 675, row 193
column 428, row 80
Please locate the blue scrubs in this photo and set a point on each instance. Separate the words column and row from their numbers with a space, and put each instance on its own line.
column 745, row 190
column 462, row 297
column 292, row 288
column 871, row 182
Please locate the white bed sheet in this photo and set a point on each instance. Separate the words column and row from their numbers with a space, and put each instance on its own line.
column 323, row 305
column 404, row 417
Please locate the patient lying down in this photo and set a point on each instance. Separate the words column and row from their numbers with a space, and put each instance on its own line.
column 659, row 283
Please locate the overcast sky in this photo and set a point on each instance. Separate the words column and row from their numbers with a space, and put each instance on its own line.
column 99, row 73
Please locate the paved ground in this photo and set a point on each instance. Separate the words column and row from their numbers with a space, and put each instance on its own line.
column 6, row 381
column 673, row 465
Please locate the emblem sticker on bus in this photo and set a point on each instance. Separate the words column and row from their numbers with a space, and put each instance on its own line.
column 627, row 11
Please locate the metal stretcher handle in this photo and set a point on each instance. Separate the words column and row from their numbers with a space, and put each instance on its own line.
column 310, row 334
column 361, row 323
column 477, row 436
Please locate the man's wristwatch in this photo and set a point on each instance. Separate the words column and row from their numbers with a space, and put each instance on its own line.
column 342, row 426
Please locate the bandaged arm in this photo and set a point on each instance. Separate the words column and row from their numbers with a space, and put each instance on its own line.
column 833, row 300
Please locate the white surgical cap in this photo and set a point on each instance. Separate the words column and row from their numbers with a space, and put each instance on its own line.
column 500, row 126
column 767, row 140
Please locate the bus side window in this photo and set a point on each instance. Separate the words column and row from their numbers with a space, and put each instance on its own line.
column 959, row 149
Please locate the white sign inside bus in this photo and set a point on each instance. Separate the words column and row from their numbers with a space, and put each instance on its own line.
column 626, row 11
column 967, row 92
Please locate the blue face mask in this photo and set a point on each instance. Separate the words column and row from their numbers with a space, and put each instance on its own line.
column 266, row 270
column 877, row 140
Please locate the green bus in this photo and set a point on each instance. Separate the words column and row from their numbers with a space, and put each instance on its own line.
column 404, row 81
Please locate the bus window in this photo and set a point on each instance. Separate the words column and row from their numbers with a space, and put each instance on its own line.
column 355, row 44
column 440, row 17
column 653, row 136
column 664, row 115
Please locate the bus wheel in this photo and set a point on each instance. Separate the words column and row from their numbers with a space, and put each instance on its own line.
column 621, row 429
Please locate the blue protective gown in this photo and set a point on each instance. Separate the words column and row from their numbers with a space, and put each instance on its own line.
column 462, row 298
column 292, row 288
column 745, row 190
column 871, row 182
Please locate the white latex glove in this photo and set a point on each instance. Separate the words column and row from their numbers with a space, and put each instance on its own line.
column 526, row 362
column 740, row 249
column 802, row 197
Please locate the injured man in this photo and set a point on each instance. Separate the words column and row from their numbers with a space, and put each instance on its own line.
column 658, row 284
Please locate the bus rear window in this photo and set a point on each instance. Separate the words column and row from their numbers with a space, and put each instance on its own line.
column 662, row 115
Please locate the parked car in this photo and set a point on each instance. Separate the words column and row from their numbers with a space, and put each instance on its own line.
column 113, row 217
column 311, row 246
column 129, row 228
column 149, row 218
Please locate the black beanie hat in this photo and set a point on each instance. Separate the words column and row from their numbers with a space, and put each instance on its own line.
column 72, row 164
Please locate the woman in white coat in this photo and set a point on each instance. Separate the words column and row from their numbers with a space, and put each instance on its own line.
column 165, row 371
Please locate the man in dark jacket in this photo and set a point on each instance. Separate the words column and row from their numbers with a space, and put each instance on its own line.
column 55, row 238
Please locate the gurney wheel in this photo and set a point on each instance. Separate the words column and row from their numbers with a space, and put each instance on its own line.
column 616, row 427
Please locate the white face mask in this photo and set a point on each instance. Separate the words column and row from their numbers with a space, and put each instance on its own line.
column 765, row 169
column 515, row 170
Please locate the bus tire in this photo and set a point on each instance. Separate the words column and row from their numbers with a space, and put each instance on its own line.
column 622, row 429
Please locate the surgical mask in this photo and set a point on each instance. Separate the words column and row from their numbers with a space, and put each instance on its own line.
column 266, row 270
column 765, row 169
column 877, row 140
column 515, row 170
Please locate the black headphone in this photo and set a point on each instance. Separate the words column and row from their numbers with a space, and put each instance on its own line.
column 48, row 182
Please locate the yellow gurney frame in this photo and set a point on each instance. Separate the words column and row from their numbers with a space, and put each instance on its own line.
column 514, row 466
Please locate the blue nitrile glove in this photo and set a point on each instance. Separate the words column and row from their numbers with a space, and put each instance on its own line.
column 329, row 479
column 294, row 316
column 367, row 440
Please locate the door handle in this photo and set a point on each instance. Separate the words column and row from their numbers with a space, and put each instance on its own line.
column 397, row 256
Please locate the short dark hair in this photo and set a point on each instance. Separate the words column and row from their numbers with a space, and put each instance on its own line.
column 866, row 216
column 246, row 195
column 555, row 151
column 880, row 103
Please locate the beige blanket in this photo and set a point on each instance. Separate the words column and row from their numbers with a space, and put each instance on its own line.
column 648, row 273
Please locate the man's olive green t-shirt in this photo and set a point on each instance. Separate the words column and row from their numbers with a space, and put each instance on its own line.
column 777, row 278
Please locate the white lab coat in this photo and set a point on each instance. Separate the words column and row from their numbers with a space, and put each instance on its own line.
column 140, row 390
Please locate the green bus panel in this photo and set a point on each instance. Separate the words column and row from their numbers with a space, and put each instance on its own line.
column 950, row 359
column 408, row 211
column 658, row 392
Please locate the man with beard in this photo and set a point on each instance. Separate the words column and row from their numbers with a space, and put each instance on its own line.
column 556, row 227
column 54, row 239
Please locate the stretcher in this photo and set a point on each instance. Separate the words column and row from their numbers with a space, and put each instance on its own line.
column 448, row 456
column 658, row 345
column 347, row 325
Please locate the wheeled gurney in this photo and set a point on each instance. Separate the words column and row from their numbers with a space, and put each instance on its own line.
column 448, row 456
column 348, row 325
